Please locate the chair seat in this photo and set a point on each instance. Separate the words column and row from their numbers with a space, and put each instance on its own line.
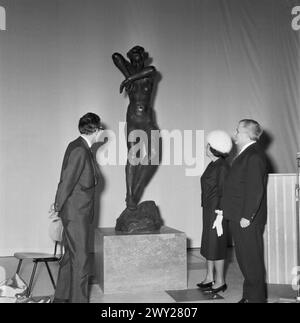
column 36, row 255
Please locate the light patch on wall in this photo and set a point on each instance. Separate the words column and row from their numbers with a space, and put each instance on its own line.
column 296, row 19
column 2, row 18
column 2, row 274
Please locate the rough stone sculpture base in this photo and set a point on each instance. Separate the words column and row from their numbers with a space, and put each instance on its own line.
column 145, row 218
column 140, row 262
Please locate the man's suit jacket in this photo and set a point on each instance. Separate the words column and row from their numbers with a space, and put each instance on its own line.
column 76, row 189
column 245, row 187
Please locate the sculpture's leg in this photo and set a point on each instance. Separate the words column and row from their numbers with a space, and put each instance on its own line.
column 146, row 173
column 131, row 173
column 130, row 177
column 146, row 170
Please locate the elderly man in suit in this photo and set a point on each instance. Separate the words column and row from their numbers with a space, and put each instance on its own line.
column 74, row 204
column 245, row 206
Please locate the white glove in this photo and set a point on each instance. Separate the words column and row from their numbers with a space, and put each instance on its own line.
column 218, row 223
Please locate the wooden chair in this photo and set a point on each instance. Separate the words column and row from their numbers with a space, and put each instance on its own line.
column 55, row 231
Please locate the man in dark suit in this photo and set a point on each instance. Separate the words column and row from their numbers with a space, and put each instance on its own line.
column 245, row 206
column 74, row 204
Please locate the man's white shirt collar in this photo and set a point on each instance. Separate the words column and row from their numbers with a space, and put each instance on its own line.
column 246, row 146
column 87, row 141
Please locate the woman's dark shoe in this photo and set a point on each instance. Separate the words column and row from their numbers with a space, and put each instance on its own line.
column 206, row 286
column 219, row 289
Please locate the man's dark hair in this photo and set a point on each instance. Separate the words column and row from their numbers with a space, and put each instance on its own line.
column 89, row 123
column 217, row 153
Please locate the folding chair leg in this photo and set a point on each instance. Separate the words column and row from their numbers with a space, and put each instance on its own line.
column 19, row 266
column 50, row 274
column 31, row 280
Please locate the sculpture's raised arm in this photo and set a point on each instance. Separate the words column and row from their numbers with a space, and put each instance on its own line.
column 121, row 63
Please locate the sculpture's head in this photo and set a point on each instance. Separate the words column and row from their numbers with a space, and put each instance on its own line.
column 137, row 54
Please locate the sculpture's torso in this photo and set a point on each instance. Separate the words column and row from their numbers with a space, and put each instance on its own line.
column 139, row 110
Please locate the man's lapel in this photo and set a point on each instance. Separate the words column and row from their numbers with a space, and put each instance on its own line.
column 242, row 153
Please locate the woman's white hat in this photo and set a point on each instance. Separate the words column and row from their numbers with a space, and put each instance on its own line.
column 220, row 141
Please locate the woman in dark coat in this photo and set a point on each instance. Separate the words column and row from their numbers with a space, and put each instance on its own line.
column 213, row 247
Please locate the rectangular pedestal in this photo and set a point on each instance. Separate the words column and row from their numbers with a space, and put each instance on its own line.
column 140, row 262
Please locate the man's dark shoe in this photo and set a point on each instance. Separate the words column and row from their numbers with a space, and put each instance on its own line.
column 243, row 301
column 58, row 300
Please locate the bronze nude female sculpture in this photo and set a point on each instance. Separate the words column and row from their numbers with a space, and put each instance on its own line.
column 139, row 84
